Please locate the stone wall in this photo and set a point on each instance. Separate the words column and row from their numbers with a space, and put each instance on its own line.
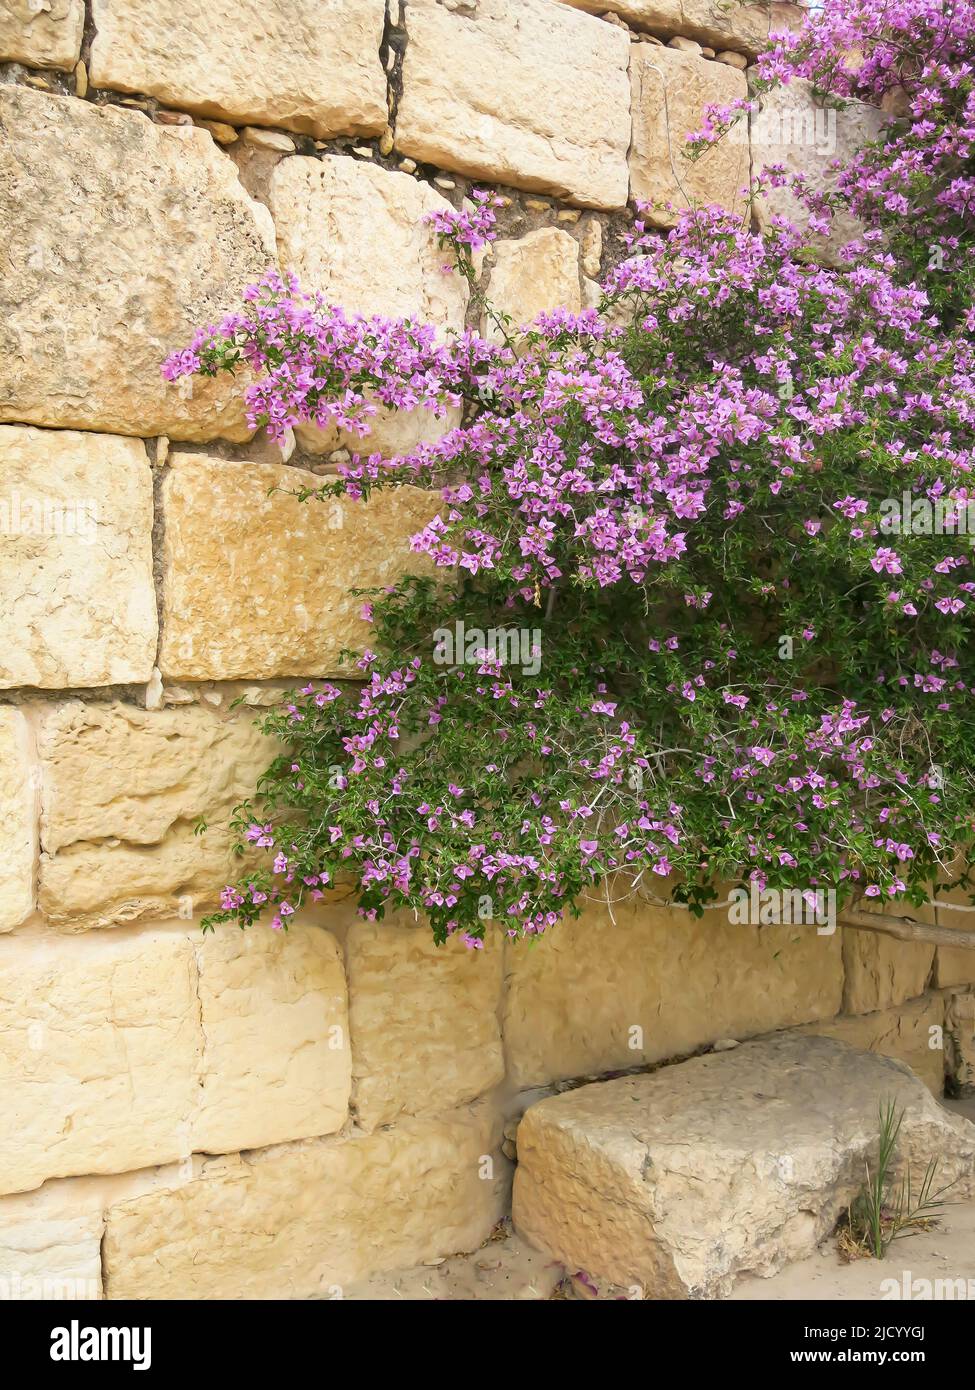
column 246, row 1114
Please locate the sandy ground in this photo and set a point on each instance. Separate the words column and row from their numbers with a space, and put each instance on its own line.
column 945, row 1253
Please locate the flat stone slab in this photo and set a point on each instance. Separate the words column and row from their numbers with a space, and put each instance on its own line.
column 677, row 1182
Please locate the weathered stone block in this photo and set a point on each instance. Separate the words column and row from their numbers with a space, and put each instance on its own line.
column 911, row 1033
column 131, row 1048
column 18, row 820
column 295, row 63
column 305, row 1220
column 670, row 92
column 76, row 558
column 276, row 1062
column 42, row 33
column 123, row 791
column 741, row 27
column 593, row 996
column 99, row 1054
column 148, row 236
column 737, row 1162
column 532, row 275
column 954, row 966
column 358, row 233
column 881, row 971
column 795, row 129
column 424, row 1021
column 960, row 1041
column 273, row 598
column 50, row 1248
column 520, row 92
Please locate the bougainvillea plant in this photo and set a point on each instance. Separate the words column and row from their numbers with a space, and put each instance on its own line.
column 697, row 605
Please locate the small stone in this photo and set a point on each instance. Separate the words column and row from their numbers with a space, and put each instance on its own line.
column 725, row 1044
column 386, row 141
column 213, row 697
column 707, row 52
column 40, row 82
column 536, row 205
column 154, row 690
column 363, row 151
column 592, row 249
column 648, row 38
column 178, row 695
column 509, row 1150
column 685, row 45
column 80, row 80
column 173, row 118
column 407, row 166
column 734, row 60
column 223, row 133
column 447, row 184
column 162, row 451
column 263, row 139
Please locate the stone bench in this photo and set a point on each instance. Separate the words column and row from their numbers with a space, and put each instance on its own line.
column 674, row 1183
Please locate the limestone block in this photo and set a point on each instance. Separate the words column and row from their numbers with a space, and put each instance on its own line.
column 881, row 971
column 532, row 275
column 424, row 1021
column 593, row 996
column 276, row 1061
column 123, row 790
column 304, row 1220
column 795, row 129
column 670, row 91
column 42, row 33
column 960, row 1041
column 99, row 1054
column 740, row 27
column 520, row 92
column 273, row 598
column 76, row 558
column 50, row 1248
column 300, row 64
column 18, row 820
column 955, row 966
column 121, row 238
column 733, row 1163
column 357, row 233
column 136, row 1047
column 912, row 1033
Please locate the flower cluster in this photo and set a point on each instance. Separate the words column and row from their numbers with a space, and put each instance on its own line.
column 681, row 497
